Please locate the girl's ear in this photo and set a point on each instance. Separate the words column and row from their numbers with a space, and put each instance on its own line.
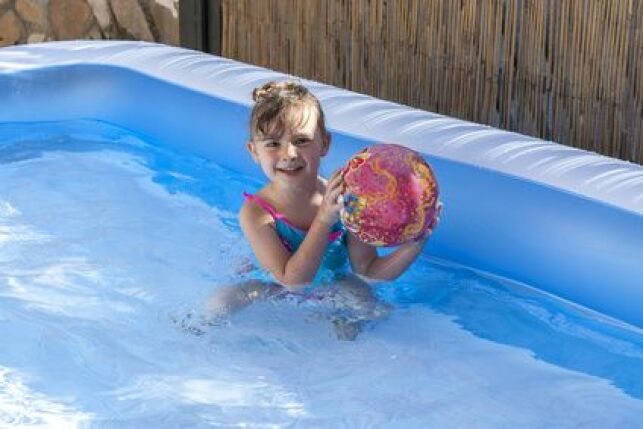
column 326, row 139
column 253, row 151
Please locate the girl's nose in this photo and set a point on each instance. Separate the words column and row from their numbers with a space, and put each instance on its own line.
column 291, row 150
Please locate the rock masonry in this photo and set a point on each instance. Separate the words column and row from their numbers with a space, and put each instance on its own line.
column 34, row 21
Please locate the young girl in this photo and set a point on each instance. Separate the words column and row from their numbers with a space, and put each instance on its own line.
column 292, row 224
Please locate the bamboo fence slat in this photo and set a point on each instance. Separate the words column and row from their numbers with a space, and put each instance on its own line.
column 564, row 70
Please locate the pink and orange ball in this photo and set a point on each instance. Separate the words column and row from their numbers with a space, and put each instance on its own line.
column 391, row 195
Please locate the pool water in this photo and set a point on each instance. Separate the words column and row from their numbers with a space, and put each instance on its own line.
column 110, row 246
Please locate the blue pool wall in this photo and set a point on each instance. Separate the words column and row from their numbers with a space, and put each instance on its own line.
column 565, row 221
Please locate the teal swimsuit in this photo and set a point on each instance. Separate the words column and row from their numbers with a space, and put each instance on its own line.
column 335, row 260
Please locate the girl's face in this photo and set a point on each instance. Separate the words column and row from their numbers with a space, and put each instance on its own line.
column 291, row 154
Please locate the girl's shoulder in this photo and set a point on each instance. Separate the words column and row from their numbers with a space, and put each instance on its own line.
column 255, row 209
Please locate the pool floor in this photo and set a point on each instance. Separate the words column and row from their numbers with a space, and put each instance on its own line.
column 110, row 246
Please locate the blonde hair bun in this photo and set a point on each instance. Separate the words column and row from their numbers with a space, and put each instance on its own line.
column 273, row 99
column 274, row 89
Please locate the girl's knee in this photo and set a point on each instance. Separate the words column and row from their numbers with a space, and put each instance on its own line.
column 228, row 299
column 355, row 295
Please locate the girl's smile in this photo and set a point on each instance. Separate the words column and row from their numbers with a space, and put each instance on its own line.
column 290, row 171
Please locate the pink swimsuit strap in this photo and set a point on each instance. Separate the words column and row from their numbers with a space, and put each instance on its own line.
column 280, row 216
column 270, row 209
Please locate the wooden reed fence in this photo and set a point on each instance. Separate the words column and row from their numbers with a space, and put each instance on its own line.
column 564, row 70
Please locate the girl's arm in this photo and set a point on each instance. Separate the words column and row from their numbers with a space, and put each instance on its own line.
column 366, row 262
column 299, row 268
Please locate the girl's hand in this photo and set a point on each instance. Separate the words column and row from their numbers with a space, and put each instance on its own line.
column 332, row 203
column 421, row 240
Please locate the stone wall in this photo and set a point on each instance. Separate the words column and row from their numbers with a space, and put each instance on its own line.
column 34, row 21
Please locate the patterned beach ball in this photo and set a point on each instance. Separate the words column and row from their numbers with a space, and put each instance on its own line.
column 391, row 195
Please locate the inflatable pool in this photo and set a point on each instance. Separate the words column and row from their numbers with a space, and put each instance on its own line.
column 559, row 219
column 550, row 220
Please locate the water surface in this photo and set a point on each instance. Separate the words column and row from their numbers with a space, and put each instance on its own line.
column 110, row 245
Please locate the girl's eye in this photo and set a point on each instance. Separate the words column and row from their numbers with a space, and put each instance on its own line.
column 302, row 141
column 271, row 144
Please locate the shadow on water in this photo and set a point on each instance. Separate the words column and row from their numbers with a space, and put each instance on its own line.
column 515, row 315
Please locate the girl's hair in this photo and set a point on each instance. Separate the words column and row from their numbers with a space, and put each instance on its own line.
column 272, row 110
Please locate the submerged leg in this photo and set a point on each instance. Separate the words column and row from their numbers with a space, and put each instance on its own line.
column 354, row 294
column 232, row 298
column 356, row 305
column 346, row 330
